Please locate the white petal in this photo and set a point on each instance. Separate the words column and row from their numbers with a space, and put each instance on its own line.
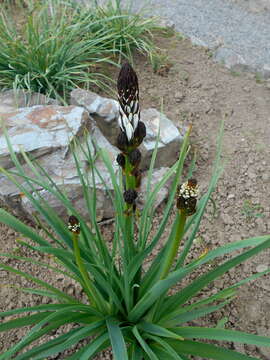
column 125, row 121
column 135, row 120
column 129, row 131
column 120, row 123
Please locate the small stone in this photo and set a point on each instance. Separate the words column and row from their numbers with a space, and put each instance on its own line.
column 230, row 196
column 179, row 97
column 227, row 219
column 261, row 268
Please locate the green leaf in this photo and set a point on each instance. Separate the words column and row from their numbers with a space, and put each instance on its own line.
column 192, row 289
column 18, row 226
column 23, row 321
column 77, row 335
column 143, row 344
column 57, row 292
column 54, row 320
column 34, row 308
column 186, row 316
column 100, row 342
column 222, row 335
column 117, row 340
column 205, row 351
column 159, row 331
column 171, row 352
column 28, row 354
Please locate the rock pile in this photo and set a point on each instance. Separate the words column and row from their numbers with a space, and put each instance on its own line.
column 44, row 130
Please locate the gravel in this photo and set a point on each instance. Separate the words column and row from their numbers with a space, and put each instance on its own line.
column 237, row 35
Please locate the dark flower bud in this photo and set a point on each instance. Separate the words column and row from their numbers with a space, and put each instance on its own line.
column 187, row 197
column 74, row 225
column 130, row 196
column 128, row 97
column 140, row 131
column 139, row 134
column 135, row 157
column 122, row 141
column 121, row 160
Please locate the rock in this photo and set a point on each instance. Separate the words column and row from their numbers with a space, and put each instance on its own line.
column 261, row 268
column 40, row 130
column 230, row 59
column 162, row 193
column 169, row 143
column 13, row 99
column 61, row 167
column 179, row 96
column 266, row 71
column 105, row 111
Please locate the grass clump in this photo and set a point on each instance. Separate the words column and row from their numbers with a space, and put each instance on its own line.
column 58, row 45
column 127, row 306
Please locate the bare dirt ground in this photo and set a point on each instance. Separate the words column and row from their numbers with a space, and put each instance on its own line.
column 196, row 90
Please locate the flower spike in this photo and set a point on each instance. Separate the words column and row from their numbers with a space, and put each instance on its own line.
column 128, row 97
column 187, row 197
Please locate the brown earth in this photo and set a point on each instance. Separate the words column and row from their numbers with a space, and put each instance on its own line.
column 196, row 90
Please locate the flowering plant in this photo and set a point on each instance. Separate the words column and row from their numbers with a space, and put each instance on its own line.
column 127, row 305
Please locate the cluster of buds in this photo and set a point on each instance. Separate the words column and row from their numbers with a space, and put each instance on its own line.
column 132, row 130
column 187, row 197
column 74, row 225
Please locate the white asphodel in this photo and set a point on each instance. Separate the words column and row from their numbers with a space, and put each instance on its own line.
column 128, row 124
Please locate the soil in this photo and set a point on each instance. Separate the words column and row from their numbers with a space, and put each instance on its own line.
column 192, row 89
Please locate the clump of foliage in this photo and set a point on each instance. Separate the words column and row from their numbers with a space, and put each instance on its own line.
column 59, row 45
column 128, row 306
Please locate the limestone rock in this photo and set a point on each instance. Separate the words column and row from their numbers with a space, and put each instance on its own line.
column 13, row 99
column 61, row 167
column 40, row 129
column 169, row 143
column 105, row 111
column 162, row 193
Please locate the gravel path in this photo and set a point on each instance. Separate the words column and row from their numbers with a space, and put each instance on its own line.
column 238, row 35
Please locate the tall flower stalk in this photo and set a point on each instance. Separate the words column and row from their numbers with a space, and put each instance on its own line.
column 131, row 135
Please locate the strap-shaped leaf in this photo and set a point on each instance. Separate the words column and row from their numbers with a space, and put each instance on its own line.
column 205, row 351
column 117, row 340
column 197, row 285
column 222, row 334
column 143, row 344
column 159, row 331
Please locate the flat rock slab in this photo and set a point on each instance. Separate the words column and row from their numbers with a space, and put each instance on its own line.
column 169, row 143
column 105, row 111
column 40, row 129
column 14, row 99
